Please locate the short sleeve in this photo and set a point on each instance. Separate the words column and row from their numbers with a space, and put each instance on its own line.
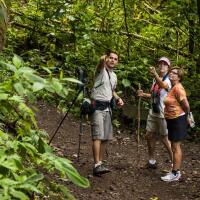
column 180, row 94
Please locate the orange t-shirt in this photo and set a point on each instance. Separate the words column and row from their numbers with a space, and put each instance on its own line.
column 172, row 101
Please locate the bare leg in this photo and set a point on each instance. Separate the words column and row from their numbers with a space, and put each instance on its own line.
column 151, row 143
column 96, row 147
column 177, row 155
column 167, row 145
column 102, row 149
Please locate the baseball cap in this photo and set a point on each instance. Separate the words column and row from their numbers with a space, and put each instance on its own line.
column 165, row 59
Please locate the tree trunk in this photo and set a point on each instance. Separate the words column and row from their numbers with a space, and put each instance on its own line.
column 3, row 23
column 198, row 35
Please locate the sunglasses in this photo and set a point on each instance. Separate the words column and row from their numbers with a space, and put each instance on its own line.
column 173, row 72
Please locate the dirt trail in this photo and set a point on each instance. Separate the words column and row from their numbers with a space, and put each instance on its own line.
column 128, row 180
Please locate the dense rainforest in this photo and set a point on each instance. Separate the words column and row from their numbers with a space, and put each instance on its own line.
column 43, row 42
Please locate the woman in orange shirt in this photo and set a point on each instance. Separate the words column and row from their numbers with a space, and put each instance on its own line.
column 177, row 116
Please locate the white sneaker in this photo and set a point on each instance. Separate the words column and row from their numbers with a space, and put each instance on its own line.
column 171, row 177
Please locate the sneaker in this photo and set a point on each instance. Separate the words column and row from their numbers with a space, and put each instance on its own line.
column 99, row 170
column 171, row 177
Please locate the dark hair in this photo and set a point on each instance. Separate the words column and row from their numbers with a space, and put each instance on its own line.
column 108, row 52
column 180, row 72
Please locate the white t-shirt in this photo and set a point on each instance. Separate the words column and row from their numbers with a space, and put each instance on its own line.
column 102, row 90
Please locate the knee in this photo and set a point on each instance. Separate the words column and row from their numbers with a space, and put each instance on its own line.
column 175, row 148
column 149, row 136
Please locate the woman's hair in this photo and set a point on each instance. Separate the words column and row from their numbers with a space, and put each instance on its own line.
column 180, row 72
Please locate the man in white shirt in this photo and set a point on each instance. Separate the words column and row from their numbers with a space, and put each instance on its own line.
column 102, row 93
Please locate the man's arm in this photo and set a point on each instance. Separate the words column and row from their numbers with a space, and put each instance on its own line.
column 161, row 83
column 140, row 93
column 101, row 64
column 118, row 99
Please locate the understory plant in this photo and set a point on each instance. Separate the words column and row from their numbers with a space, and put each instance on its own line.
column 26, row 159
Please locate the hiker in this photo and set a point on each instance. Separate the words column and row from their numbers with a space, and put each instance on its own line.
column 103, row 91
column 177, row 111
column 156, row 123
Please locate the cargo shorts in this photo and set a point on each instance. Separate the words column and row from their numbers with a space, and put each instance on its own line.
column 101, row 125
column 157, row 125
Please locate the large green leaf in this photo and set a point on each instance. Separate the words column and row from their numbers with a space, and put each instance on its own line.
column 56, row 85
column 28, row 70
column 126, row 83
column 8, row 66
column 17, row 61
column 66, row 192
column 37, row 86
column 16, row 98
column 19, row 88
column 33, row 78
column 35, row 178
column 18, row 194
column 73, row 80
column 3, row 96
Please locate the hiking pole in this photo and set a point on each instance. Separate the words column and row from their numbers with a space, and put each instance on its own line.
column 73, row 101
column 80, row 135
column 138, row 125
column 81, row 126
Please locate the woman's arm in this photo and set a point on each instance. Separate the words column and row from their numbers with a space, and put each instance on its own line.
column 185, row 106
column 159, row 80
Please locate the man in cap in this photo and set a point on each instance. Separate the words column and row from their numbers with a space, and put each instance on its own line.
column 156, row 124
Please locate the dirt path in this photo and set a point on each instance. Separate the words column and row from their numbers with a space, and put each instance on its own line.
column 128, row 180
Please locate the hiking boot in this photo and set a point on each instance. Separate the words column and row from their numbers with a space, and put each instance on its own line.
column 171, row 177
column 99, row 170
column 151, row 166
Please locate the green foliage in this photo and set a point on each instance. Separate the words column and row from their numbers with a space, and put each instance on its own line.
column 61, row 35
column 24, row 152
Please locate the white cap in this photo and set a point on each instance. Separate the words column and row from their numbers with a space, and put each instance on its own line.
column 165, row 60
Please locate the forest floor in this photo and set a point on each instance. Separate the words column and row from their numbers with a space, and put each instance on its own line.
column 128, row 179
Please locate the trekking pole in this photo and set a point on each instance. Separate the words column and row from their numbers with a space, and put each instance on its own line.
column 138, row 125
column 81, row 124
column 139, row 116
column 73, row 101
column 80, row 135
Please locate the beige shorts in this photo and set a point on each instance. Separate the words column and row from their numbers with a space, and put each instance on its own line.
column 101, row 125
column 156, row 125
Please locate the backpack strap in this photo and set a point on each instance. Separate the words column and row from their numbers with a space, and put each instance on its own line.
column 109, row 79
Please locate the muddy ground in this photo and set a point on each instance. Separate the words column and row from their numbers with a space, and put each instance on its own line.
column 128, row 179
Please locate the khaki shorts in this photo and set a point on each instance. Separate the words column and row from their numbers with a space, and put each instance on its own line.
column 156, row 125
column 102, row 125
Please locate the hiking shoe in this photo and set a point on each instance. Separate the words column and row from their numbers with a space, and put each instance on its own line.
column 171, row 177
column 99, row 170
column 151, row 166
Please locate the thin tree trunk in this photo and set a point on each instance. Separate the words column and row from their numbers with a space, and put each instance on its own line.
column 198, row 35
column 126, row 25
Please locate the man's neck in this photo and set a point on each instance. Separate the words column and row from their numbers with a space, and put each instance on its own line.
column 110, row 69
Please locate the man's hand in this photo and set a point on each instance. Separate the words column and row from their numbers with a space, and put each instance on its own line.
column 140, row 93
column 103, row 58
column 152, row 71
column 120, row 102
